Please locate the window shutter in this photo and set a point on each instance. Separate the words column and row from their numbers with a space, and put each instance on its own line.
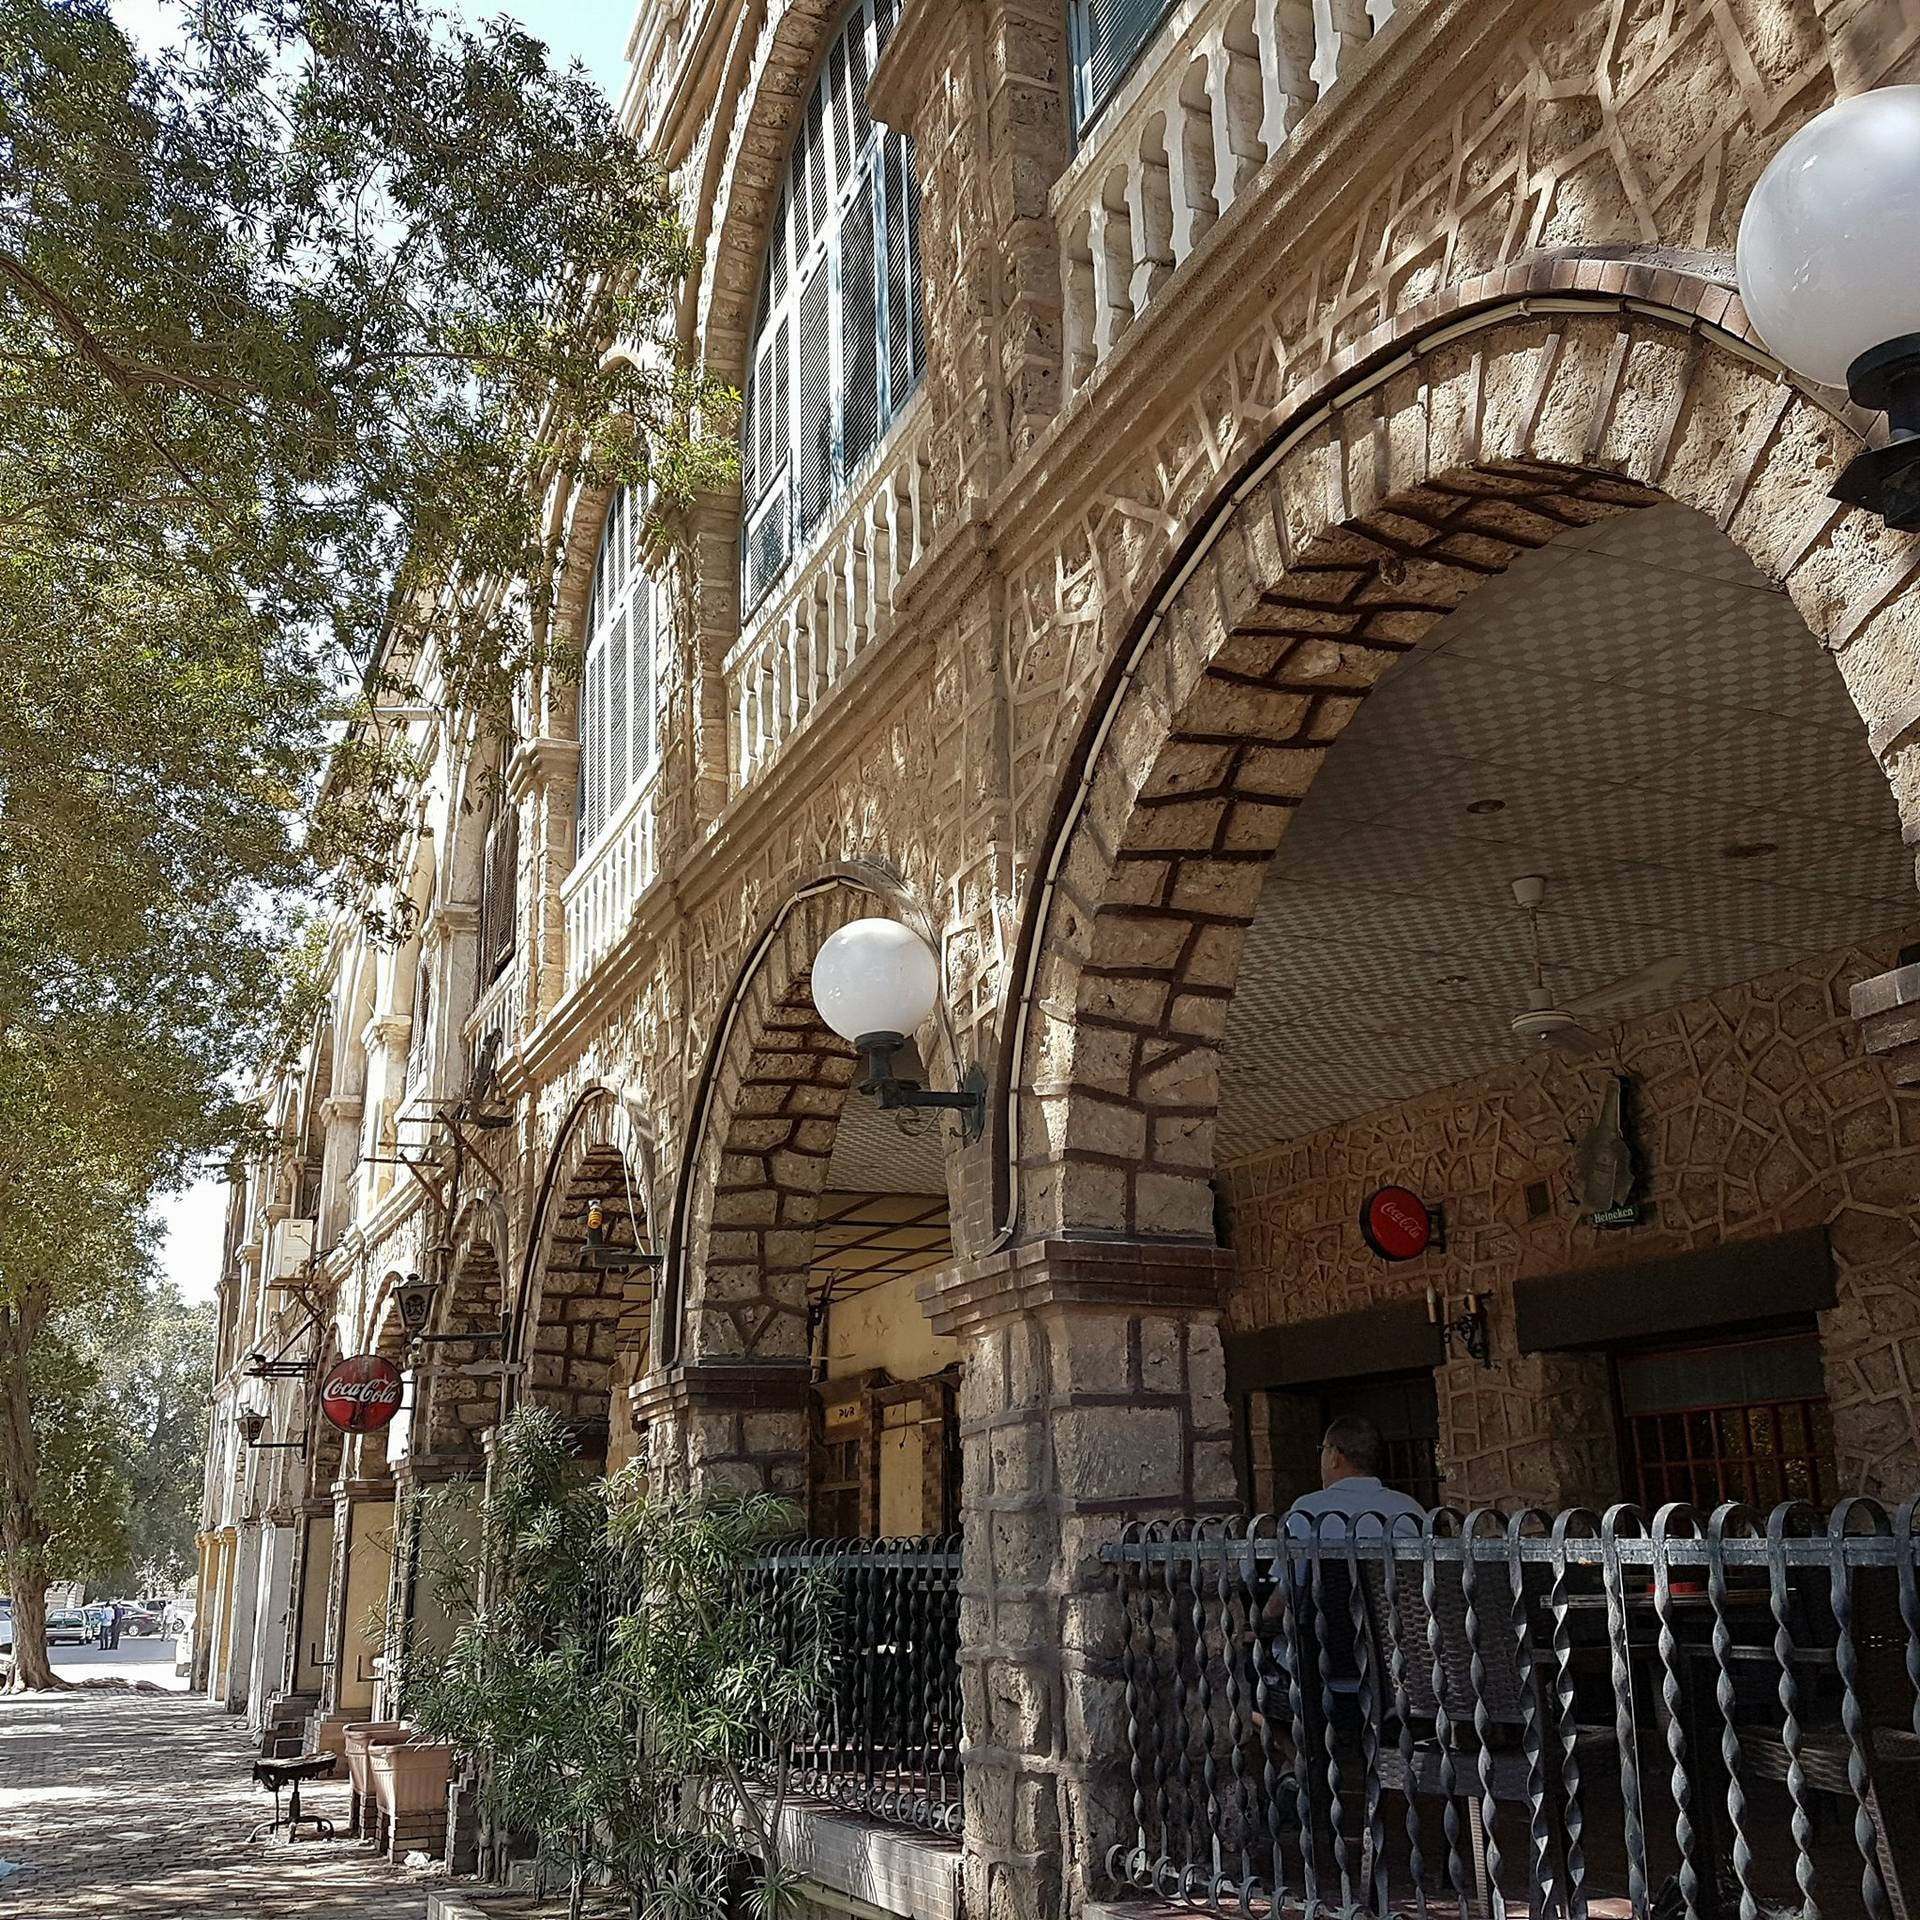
column 857, row 56
column 817, row 155
column 838, row 341
column 900, row 291
column 859, row 330
column 644, row 696
column 499, row 883
column 816, row 404
column 1107, row 34
column 593, row 742
column 842, row 118
column 619, row 716
column 417, row 1033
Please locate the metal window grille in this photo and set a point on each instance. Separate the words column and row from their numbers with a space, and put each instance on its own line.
column 1690, row 1716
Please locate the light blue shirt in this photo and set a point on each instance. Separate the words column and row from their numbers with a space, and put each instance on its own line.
column 1361, row 1500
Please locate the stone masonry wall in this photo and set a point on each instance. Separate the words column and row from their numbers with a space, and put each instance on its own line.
column 1758, row 1112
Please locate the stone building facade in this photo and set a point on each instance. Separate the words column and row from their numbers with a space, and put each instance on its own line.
column 1307, row 350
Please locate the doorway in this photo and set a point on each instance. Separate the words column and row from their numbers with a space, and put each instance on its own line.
column 1285, row 1427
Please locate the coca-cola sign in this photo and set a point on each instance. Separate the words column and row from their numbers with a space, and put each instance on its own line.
column 361, row 1393
column 1396, row 1223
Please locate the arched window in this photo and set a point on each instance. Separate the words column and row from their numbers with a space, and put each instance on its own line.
column 618, row 738
column 837, row 339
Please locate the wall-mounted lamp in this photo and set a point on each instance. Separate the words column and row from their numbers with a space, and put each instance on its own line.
column 874, row 982
column 1468, row 1326
column 601, row 1255
column 414, row 1298
column 1830, row 275
column 253, row 1427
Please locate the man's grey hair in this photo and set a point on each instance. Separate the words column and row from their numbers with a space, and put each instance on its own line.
column 1357, row 1441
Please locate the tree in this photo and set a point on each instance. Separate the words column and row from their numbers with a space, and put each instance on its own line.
column 155, row 1379
column 614, row 1678
column 305, row 324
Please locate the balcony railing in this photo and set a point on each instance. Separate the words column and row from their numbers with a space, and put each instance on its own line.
column 1215, row 97
column 497, row 1012
column 837, row 603
column 599, row 894
column 1689, row 1717
column 886, row 1740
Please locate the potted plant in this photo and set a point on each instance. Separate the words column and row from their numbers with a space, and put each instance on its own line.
column 613, row 1676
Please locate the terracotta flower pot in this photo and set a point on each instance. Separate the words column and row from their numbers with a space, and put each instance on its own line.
column 410, row 1779
column 362, row 1734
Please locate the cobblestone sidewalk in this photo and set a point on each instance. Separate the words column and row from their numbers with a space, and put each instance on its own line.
column 141, row 1805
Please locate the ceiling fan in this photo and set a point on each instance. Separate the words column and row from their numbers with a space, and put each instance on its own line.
column 1549, row 1023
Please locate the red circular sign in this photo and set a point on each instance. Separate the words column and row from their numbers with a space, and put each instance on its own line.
column 1395, row 1223
column 361, row 1393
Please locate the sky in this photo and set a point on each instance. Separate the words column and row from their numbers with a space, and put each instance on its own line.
column 595, row 32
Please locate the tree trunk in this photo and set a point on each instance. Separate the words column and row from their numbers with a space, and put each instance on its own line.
column 23, row 1535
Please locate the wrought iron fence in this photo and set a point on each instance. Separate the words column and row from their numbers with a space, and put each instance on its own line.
column 885, row 1739
column 1570, row 1714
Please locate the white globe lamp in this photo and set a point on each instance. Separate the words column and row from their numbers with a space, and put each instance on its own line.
column 875, row 977
column 874, row 982
column 1828, row 262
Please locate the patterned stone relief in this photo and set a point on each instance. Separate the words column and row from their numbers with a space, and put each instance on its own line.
column 1757, row 1113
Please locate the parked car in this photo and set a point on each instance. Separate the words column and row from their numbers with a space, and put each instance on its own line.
column 142, row 1622
column 69, row 1625
column 179, row 1621
column 6, row 1626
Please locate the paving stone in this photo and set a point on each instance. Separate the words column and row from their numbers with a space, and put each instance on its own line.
column 141, row 1805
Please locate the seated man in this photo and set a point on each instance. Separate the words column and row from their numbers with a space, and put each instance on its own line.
column 1350, row 1495
column 1351, row 1489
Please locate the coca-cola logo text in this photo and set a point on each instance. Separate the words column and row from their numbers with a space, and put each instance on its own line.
column 361, row 1393
column 1395, row 1224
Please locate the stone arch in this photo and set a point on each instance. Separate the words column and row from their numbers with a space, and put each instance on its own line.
column 575, row 1327
column 1434, row 456
column 456, row 1409
column 762, row 1135
column 769, row 76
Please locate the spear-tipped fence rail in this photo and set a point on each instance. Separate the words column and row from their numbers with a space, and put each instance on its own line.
column 1682, row 1717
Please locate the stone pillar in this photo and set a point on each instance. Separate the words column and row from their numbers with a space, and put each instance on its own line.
column 543, row 782
column 362, row 1562
column 273, row 1607
column 737, row 1425
column 340, row 1116
column 1094, row 1394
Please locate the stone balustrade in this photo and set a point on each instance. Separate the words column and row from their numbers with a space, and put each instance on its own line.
column 833, row 604
column 598, row 896
column 1216, row 95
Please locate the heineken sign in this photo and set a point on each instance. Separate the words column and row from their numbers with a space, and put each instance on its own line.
column 361, row 1393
